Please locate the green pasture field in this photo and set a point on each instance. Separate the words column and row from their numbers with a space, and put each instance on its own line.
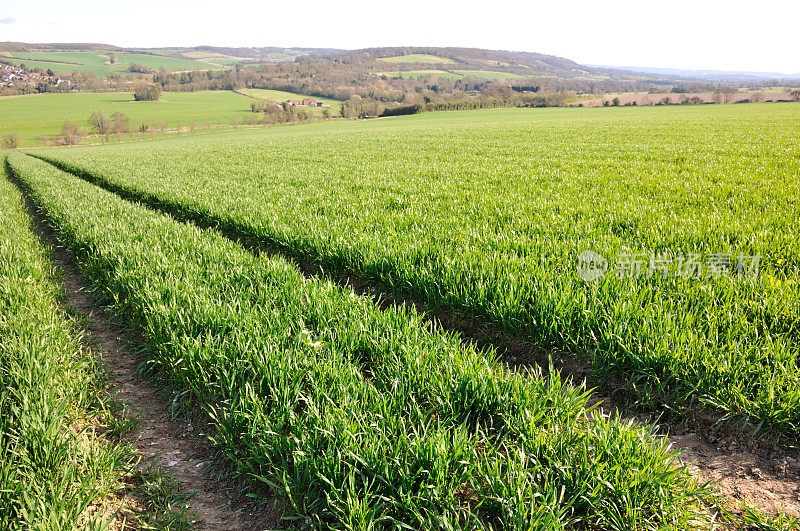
column 485, row 214
column 287, row 54
column 31, row 116
column 96, row 61
column 155, row 62
column 416, row 58
column 91, row 65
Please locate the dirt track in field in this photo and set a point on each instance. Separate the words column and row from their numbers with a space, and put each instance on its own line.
column 179, row 447
column 739, row 463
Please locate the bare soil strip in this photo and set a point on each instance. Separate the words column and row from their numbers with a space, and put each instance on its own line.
column 741, row 464
column 179, row 448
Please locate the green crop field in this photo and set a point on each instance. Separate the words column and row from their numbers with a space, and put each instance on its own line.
column 32, row 116
column 354, row 415
column 485, row 214
column 656, row 246
column 280, row 96
column 155, row 62
column 416, row 58
column 97, row 62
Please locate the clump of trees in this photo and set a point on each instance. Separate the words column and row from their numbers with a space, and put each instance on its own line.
column 101, row 123
column 796, row 95
column 275, row 113
column 72, row 134
column 136, row 68
column 120, row 123
column 725, row 94
column 263, row 105
column 404, row 110
column 548, row 99
column 697, row 87
column 116, row 124
column 354, row 108
column 145, row 92
column 526, row 88
column 10, row 141
column 358, row 107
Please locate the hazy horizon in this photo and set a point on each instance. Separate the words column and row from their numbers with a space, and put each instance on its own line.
column 687, row 36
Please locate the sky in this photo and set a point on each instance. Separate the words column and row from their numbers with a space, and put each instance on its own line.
column 715, row 35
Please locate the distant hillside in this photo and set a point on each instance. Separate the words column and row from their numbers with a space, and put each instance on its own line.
column 264, row 53
column 411, row 58
column 476, row 58
column 418, row 58
column 76, row 46
column 340, row 74
column 709, row 75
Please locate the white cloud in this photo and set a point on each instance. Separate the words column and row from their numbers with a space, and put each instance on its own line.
column 8, row 20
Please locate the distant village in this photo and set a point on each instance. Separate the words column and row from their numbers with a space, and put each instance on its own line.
column 13, row 76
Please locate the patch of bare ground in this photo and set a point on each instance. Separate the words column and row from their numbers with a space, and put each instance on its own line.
column 743, row 466
column 178, row 448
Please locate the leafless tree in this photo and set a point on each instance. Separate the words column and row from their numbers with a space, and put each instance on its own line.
column 120, row 123
column 725, row 94
column 10, row 141
column 72, row 134
column 101, row 123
